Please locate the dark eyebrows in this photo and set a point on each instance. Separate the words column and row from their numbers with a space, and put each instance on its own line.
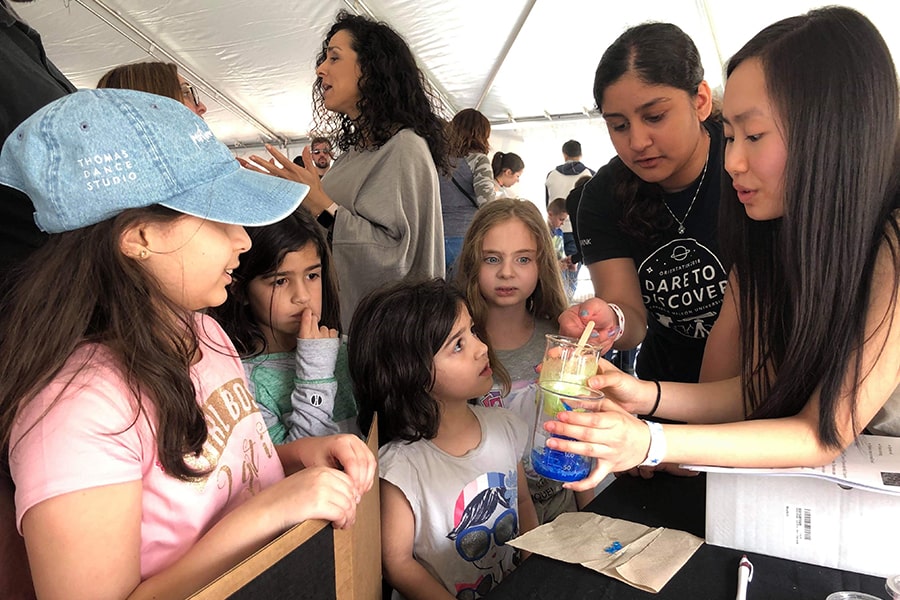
column 458, row 334
column 744, row 116
column 646, row 105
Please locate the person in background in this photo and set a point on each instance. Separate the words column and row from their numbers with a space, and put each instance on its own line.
column 381, row 197
column 320, row 150
column 156, row 78
column 812, row 221
column 556, row 216
column 648, row 220
column 452, row 483
column 131, row 434
column 29, row 80
column 510, row 275
column 507, row 168
column 472, row 182
column 560, row 182
column 283, row 315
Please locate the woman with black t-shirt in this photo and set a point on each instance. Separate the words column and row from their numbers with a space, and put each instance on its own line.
column 647, row 222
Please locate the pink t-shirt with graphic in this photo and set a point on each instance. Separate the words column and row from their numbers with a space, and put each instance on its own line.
column 88, row 440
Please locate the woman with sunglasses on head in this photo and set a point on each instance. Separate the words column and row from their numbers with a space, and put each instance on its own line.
column 381, row 197
column 158, row 78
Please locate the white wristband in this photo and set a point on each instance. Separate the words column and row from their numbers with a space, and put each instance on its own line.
column 657, row 452
column 621, row 317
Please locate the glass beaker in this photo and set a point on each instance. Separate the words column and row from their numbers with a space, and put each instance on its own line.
column 554, row 397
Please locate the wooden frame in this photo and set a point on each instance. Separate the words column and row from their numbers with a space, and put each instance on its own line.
column 357, row 552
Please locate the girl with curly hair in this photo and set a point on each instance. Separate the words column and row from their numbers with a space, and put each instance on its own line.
column 381, row 198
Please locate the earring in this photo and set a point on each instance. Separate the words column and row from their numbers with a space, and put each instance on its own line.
column 143, row 254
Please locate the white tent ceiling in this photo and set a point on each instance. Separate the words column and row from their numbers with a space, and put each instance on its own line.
column 528, row 65
column 512, row 59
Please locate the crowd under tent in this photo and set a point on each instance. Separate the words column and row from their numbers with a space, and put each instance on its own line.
column 528, row 65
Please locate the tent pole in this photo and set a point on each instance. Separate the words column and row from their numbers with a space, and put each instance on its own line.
column 118, row 22
column 498, row 64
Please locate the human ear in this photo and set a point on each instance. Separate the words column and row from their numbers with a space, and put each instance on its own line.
column 703, row 101
column 133, row 242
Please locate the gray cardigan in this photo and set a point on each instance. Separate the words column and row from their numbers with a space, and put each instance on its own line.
column 390, row 223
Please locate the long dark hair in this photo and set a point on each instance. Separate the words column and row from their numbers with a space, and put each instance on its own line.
column 658, row 54
column 549, row 297
column 395, row 333
column 394, row 93
column 506, row 160
column 805, row 279
column 112, row 301
column 269, row 246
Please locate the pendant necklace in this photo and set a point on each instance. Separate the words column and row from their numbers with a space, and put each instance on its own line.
column 694, row 199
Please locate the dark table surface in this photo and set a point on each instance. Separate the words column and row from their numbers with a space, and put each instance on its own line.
column 711, row 573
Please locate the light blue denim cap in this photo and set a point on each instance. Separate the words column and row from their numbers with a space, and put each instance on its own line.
column 90, row 155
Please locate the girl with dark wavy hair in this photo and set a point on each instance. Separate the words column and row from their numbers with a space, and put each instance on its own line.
column 381, row 197
column 647, row 222
column 417, row 362
column 284, row 317
column 812, row 222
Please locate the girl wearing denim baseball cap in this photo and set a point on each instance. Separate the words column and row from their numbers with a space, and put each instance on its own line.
column 142, row 466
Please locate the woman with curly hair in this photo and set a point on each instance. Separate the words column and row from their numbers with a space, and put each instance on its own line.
column 381, row 197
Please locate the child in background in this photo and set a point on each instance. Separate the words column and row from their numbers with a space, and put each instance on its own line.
column 556, row 215
column 508, row 271
column 142, row 467
column 283, row 316
column 507, row 168
column 451, row 473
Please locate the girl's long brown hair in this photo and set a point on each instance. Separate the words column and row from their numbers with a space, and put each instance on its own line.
column 549, row 297
column 80, row 289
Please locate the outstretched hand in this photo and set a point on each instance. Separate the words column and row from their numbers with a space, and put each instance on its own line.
column 280, row 165
column 574, row 319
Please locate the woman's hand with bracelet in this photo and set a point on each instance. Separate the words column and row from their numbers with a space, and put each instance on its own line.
column 608, row 325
